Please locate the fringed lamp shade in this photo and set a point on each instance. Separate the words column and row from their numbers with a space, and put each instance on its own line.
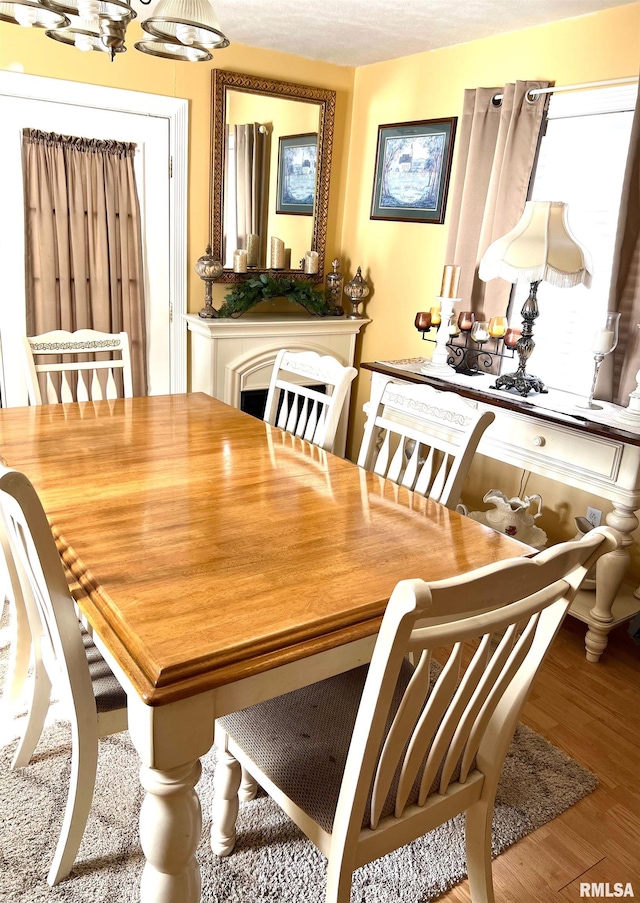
column 540, row 248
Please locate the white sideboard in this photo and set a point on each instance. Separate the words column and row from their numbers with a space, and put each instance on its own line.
column 229, row 356
column 594, row 455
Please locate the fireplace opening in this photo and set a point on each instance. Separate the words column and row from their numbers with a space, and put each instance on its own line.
column 254, row 401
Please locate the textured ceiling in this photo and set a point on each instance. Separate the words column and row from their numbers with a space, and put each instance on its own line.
column 358, row 32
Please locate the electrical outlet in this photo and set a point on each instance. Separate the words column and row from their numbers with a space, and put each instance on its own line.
column 594, row 516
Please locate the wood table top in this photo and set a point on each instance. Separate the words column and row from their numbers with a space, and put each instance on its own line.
column 211, row 546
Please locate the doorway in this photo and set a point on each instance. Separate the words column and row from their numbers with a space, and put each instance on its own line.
column 156, row 125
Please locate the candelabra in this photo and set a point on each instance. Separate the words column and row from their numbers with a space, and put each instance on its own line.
column 465, row 345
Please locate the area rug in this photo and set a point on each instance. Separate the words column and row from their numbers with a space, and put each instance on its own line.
column 272, row 861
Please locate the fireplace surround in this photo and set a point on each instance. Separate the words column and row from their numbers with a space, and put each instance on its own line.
column 228, row 357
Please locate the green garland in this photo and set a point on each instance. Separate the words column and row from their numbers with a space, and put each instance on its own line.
column 247, row 294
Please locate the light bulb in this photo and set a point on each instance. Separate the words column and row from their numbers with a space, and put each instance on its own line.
column 88, row 9
column 26, row 16
column 186, row 34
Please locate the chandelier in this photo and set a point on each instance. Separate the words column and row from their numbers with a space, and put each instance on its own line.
column 180, row 29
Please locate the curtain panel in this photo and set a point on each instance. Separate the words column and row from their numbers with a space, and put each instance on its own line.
column 625, row 280
column 84, row 267
column 497, row 149
column 251, row 180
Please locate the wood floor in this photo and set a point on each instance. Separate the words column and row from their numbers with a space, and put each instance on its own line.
column 592, row 712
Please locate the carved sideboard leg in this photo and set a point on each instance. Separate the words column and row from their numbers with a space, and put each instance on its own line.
column 610, row 571
column 224, row 810
column 170, row 828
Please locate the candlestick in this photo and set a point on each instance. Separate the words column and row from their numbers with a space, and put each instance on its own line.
column 438, row 365
column 277, row 253
column 603, row 343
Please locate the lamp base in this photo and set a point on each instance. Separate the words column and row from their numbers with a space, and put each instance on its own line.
column 524, row 383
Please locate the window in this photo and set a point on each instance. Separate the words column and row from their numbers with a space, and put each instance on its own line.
column 581, row 162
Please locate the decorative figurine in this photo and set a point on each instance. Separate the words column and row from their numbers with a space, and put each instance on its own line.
column 208, row 269
column 356, row 290
column 334, row 283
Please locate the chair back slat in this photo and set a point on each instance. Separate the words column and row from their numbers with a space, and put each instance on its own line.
column 65, row 373
column 422, row 438
column 81, row 388
column 303, row 410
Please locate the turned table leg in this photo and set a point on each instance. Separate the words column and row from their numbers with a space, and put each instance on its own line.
column 610, row 571
column 170, row 827
column 224, row 810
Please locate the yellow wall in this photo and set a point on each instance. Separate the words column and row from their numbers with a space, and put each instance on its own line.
column 403, row 261
column 30, row 51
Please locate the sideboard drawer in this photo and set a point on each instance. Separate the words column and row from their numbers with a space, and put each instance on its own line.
column 555, row 446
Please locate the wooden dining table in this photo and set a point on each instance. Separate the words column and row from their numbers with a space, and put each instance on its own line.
column 220, row 562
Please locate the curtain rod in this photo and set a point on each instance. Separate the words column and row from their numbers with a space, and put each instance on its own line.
column 536, row 92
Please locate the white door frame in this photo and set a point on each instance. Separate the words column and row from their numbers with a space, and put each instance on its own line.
column 174, row 109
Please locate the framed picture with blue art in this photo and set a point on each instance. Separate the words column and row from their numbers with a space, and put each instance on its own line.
column 413, row 165
column 297, row 165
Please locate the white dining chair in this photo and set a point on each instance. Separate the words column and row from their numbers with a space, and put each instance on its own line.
column 421, row 438
column 85, row 367
column 63, row 654
column 297, row 405
column 368, row 761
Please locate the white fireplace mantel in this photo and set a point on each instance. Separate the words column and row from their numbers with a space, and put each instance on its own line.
column 230, row 356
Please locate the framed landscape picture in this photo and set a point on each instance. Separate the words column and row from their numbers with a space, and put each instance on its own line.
column 297, row 164
column 413, row 165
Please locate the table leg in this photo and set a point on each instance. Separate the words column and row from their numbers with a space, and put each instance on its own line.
column 610, row 571
column 224, row 810
column 170, row 739
column 170, row 828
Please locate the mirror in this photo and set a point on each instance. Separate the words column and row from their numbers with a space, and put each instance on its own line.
column 271, row 146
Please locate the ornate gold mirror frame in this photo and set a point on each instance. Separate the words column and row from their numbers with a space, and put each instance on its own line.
column 224, row 81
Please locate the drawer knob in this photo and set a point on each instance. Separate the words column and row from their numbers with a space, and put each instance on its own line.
column 539, row 441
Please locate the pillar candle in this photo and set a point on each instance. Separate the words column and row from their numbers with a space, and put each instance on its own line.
column 311, row 262
column 450, row 281
column 277, row 253
column 240, row 261
column 253, row 244
column 287, row 258
column 602, row 341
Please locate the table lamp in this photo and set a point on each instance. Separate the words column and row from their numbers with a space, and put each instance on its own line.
column 540, row 248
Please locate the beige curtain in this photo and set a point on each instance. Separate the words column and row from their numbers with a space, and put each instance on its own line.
column 83, row 240
column 252, row 185
column 496, row 151
column 625, row 281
